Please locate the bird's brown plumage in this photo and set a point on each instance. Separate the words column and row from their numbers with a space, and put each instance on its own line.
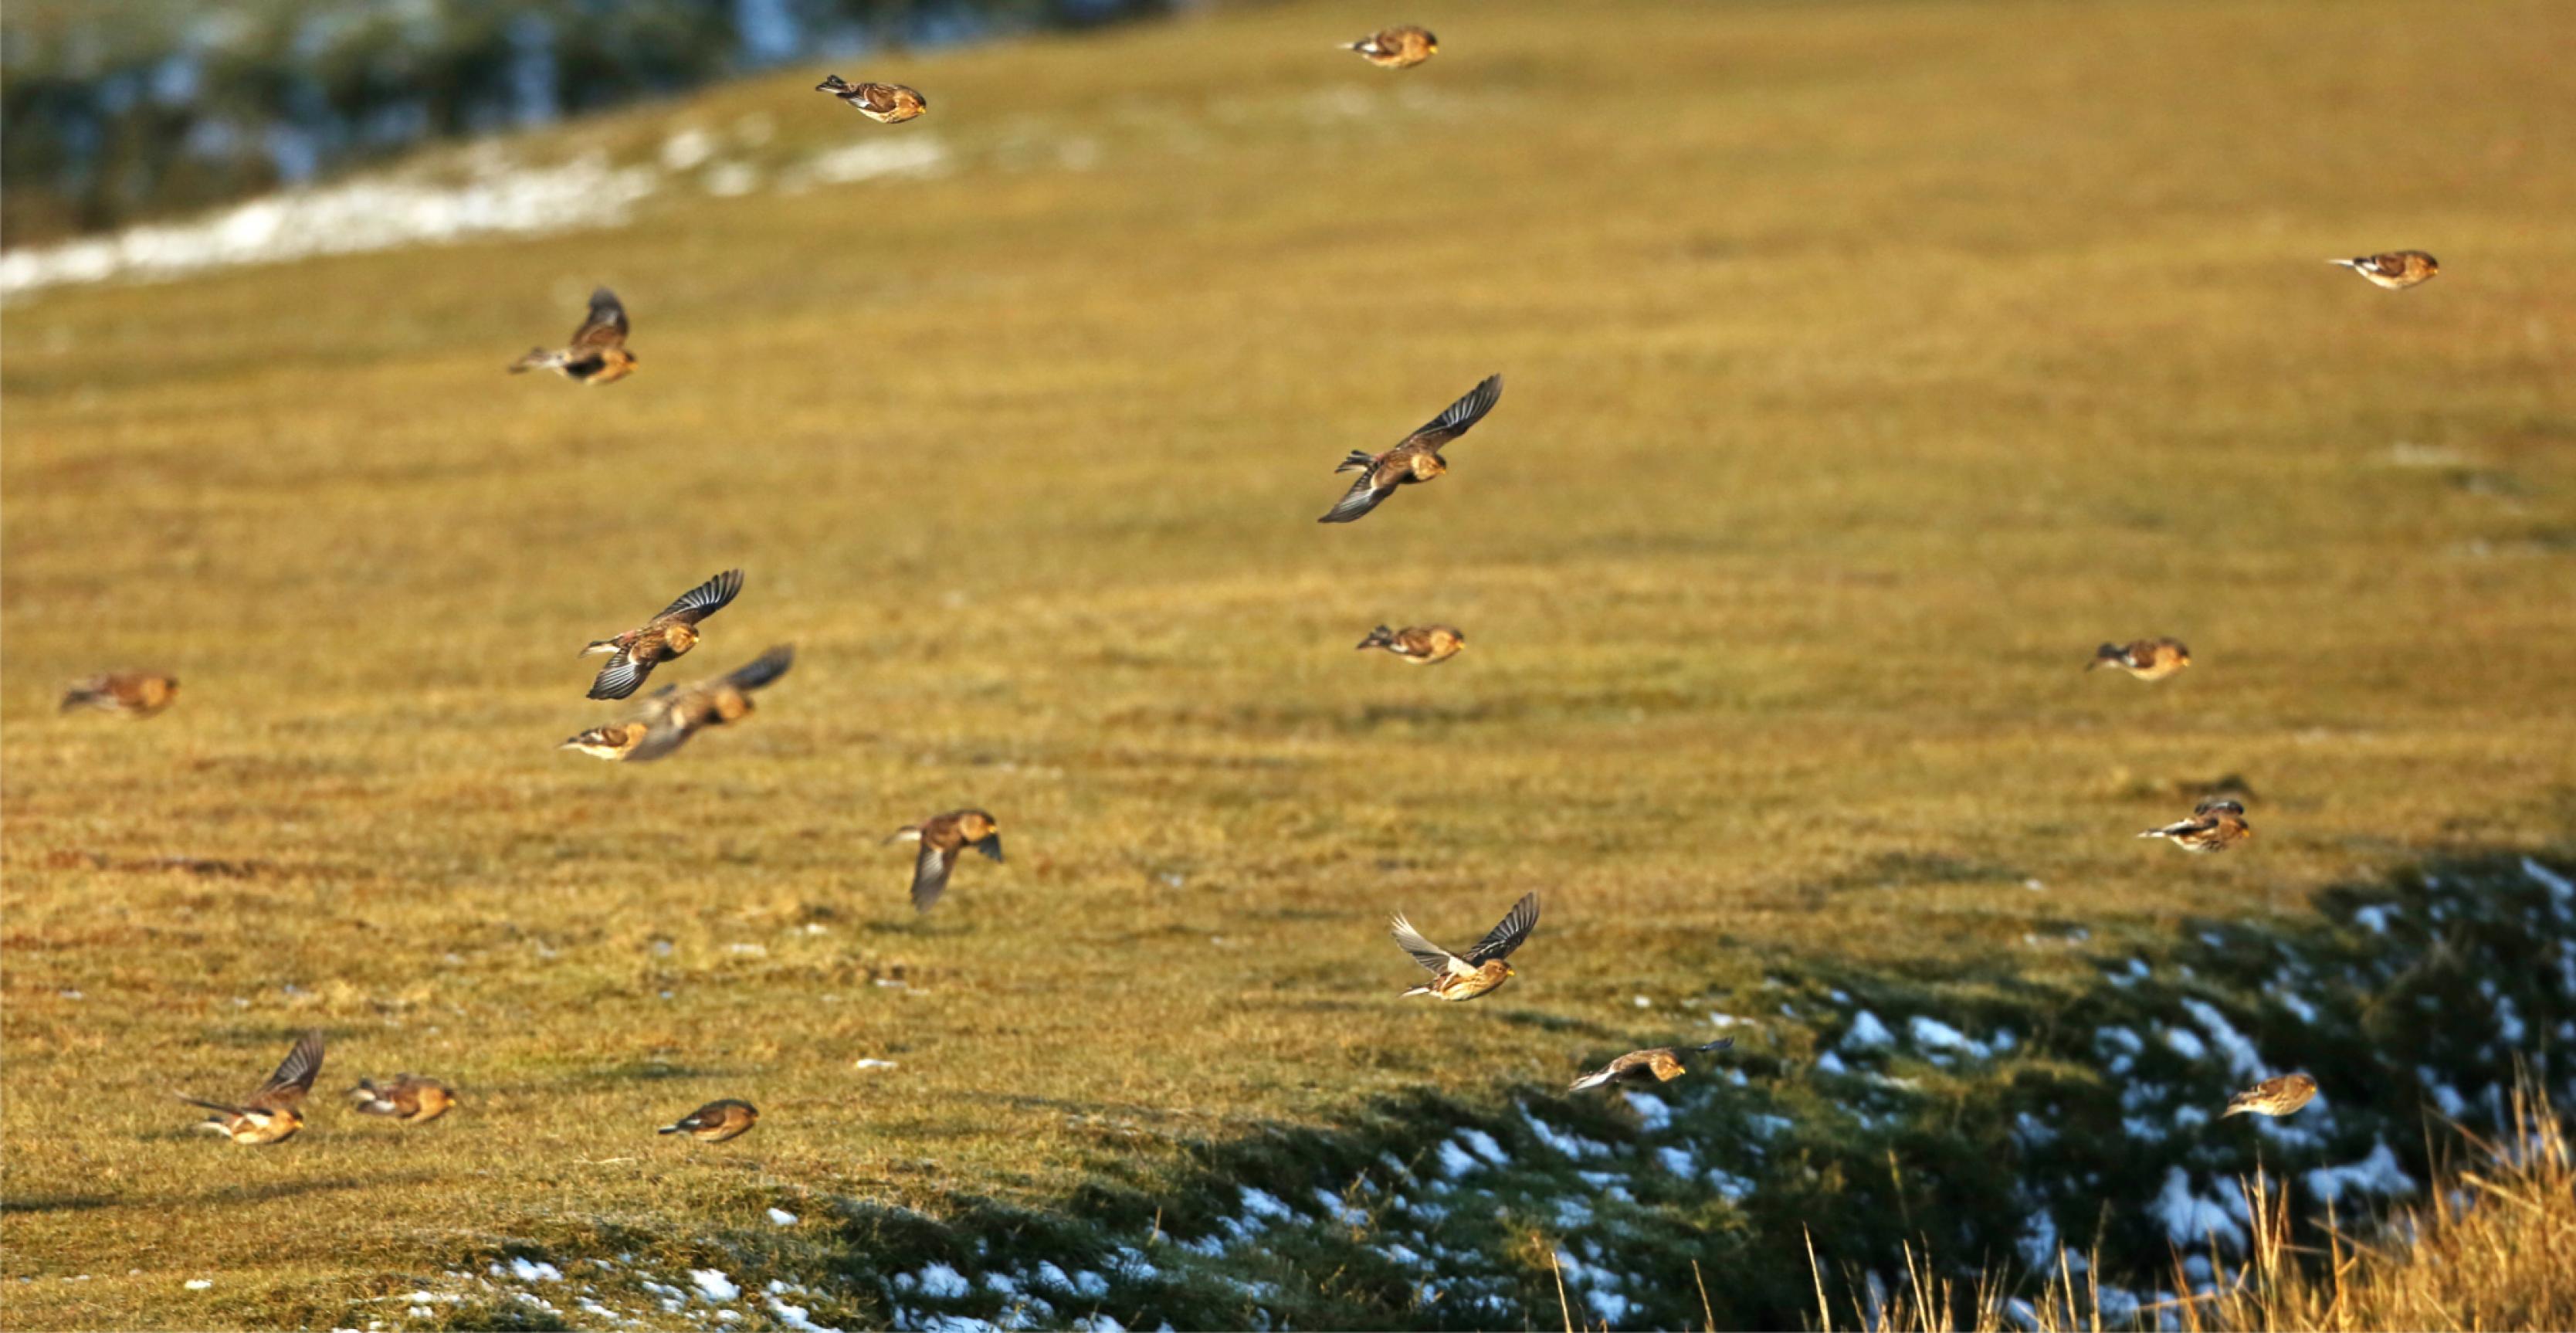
column 671, row 632
column 2146, row 659
column 130, row 694
column 1481, row 970
column 597, row 353
column 1663, row 1064
column 410, row 1098
column 1421, row 645
column 2273, row 1096
column 2215, row 825
column 269, row 1114
column 716, row 1121
column 663, row 720
column 1401, row 47
column 2396, row 270
column 941, row 839
column 885, row 103
column 1415, row 460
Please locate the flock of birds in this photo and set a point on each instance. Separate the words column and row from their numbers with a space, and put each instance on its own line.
column 597, row 354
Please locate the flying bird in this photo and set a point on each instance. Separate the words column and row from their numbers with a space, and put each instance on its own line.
column 1397, row 48
column 269, row 1115
column 2146, row 659
column 2215, row 825
column 598, row 352
column 884, row 103
column 669, row 716
column 1416, row 460
column 1482, row 970
column 410, row 1098
column 2396, row 270
column 1663, row 1064
column 131, row 694
column 1421, row 645
column 715, row 1122
column 672, row 631
column 941, row 839
column 2273, row 1096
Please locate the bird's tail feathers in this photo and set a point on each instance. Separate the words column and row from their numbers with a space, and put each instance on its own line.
column 1380, row 637
column 908, row 833
column 1591, row 1080
column 1418, row 990
column 80, row 699
column 1359, row 460
column 668, row 1129
column 2347, row 263
column 537, row 358
column 600, row 646
column 2108, row 654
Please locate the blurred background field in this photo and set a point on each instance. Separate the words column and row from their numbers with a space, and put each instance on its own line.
column 1866, row 364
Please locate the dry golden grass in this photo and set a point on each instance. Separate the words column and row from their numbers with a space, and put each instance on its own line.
column 1867, row 364
column 2494, row 1247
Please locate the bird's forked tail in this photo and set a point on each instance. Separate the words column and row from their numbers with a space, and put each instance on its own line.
column 1381, row 637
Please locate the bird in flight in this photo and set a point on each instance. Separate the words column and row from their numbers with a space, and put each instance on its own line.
column 598, row 352
column 941, row 839
column 715, row 1122
column 410, row 1098
column 670, row 715
column 1397, row 48
column 1663, row 1064
column 2397, row 270
column 1416, row 460
column 672, row 631
column 884, row 103
column 134, row 695
column 1421, row 645
column 269, row 1115
column 1482, row 970
column 2215, row 825
column 2146, row 659
column 2273, row 1096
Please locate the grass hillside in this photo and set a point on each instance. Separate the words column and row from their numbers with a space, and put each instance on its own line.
column 1867, row 364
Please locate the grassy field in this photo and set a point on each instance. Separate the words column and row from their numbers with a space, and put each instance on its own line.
column 1867, row 364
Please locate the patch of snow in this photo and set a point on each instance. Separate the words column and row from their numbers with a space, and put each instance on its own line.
column 1935, row 1035
column 1867, row 1033
column 2375, row 917
column 2242, row 1059
column 782, row 1217
column 2186, row 1043
column 1644, row 1003
column 1482, row 1144
column 2190, row 1219
column 713, row 1284
column 1572, row 1213
column 1727, row 1020
column 911, row 155
column 2377, row 1174
column 939, row 1281
column 2291, row 1000
column 1090, row 1284
column 2038, row 1241
column 797, row 1317
column 1609, row 1306
column 1264, row 1205
column 1454, row 1160
column 871, row 1062
column 2562, row 892
column 1830, row 1063
column 1679, row 1161
column 197, row 1284
column 1652, row 1110
column 1734, row 1187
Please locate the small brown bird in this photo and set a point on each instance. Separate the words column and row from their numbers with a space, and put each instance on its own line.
column 410, row 1098
column 2146, row 659
column 2215, row 825
column 1397, row 48
column 131, row 694
column 1483, row 969
column 1421, row 645
column 884, row 103
column 672, row 631
column 2273, row 1096
column 269, row 1115
column 941, row 839
column 1416, row 460
column 598, row 352
column 715, row 1122
column 2396, row 270
column 1663, row 1064
column 669, row 716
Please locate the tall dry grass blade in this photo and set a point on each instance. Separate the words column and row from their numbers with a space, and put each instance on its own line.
column 1824, row 1312
column 1708, row 1321
column 1562, row 1309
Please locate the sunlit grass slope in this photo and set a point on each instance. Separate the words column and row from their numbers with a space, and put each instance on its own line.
column 1867, row 364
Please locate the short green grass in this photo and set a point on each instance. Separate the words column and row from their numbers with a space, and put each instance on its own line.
column 1867, row 364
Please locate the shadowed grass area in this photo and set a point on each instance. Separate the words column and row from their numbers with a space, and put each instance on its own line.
column 1866, row 365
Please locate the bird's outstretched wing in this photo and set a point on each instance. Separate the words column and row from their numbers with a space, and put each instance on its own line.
column 621, row 677
column 1364, row 495
column 1433, row 958
column 606, row 324
column 294, row 1076
column 1508, row 933
column 704, row 600
column 1461, row 416
column 763, row 669
column 930, row 874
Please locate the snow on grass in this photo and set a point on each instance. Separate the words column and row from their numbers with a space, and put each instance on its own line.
column 373, row 212
column 1830, row 1063
column 912, row 155
column 2243, row 1060
column 1867, row 1033
column 1931, row 1034
column 782, row 1217
column 1679, row 1161
column 2185, row 1043
column 1736, row 1188
column 1652, row 1110
column 938, row 1281
column 527, row 1270
column 2375, row 918
column 713, row 1284
column 2191, row 1219
column 1264, row 1205
column 1454, row 1160
column 2038, row 1241
column 2377, row 1174
column 2562, row 892
column 1570, row 1145
column 797, row 1317
column 1482, row 1144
